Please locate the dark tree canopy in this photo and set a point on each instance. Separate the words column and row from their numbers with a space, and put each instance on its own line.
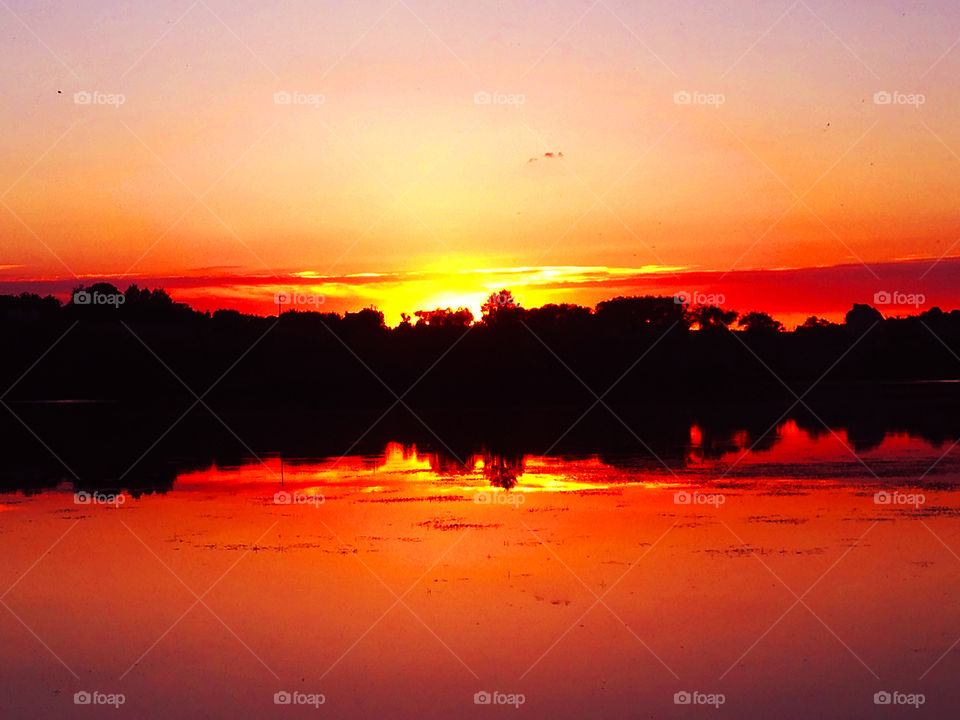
column 861, row 317
column 643, row 348
column 500, row 307
column 637, row 311
column 444, row 317
column 710, row 317
column 760, row 322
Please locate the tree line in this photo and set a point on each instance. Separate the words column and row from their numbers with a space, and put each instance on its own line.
column 139, row 346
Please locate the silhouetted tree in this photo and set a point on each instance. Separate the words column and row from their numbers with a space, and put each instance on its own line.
column 861, row 317
column 760, row 322
column 563, row 318
column 499, row 307
column 813, row 322
column 626, row 312
column 709, row 317
column 445, row 317
column 368, row 320
column 28, row 306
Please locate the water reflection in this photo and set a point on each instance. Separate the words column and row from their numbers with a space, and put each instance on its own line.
column 502, row 471
column 499, row 558
column 93, row 448
column 409, row 470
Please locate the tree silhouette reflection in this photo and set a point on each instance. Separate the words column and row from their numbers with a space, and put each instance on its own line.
column 502, row 470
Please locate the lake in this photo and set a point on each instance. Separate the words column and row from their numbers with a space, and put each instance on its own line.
column 803, row 579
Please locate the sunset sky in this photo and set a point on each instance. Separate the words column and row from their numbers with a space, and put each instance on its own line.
column 786, row 184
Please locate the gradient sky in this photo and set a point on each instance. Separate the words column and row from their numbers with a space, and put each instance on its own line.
column 400, row 190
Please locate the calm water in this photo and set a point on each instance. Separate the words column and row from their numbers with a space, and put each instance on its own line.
column 770, row 584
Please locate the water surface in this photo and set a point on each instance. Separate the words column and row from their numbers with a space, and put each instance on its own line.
column 402, row 584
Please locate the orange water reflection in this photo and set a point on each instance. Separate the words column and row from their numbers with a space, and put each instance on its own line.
column 403, row 584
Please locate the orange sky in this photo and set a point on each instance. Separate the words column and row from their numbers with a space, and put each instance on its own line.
column 388, row 161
